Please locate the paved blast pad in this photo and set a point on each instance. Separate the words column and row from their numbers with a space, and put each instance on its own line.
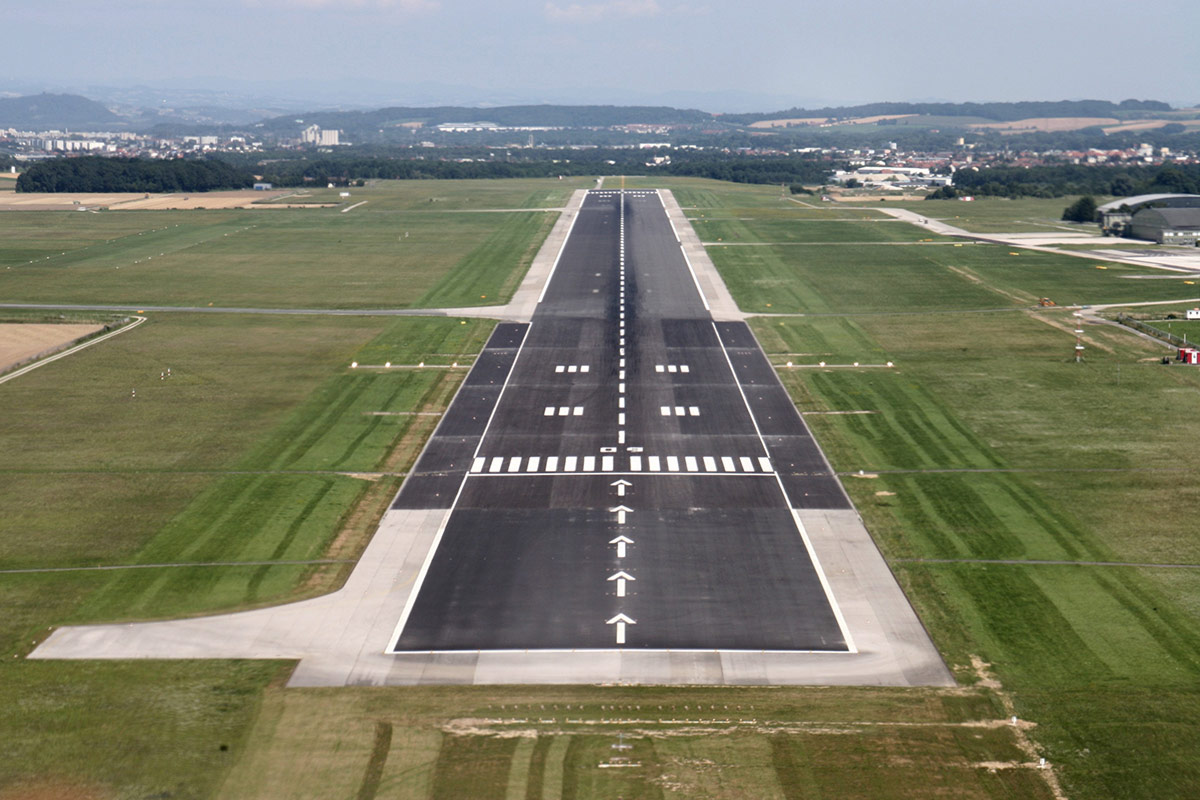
column 539, row 579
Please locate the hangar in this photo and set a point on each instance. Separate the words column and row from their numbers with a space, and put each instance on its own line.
column 1166, row 225
column 1116, row 216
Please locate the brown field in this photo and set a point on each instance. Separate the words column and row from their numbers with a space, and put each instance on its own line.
column 1050, row 124
column 116, row 201
column 23, row 341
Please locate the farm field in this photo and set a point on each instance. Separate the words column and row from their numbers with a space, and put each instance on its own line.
column 1038, row 513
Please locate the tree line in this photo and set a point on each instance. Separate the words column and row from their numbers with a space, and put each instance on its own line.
column 1074, row 179
column 100, row 174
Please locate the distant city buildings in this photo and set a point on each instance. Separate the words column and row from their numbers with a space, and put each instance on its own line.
column 313, row 134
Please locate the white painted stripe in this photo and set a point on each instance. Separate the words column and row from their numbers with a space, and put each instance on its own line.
column 671, row 368
column 621, row 436
column 549, row 411
column 659, row 368
column 589, row 463
column 563, row 411
column 727, row 464
column 585, row 368
column 654, row 465
column 621, row 375
column 569, row 463
column 621, row 418
column 478, row 465
column 622, row 364
column 496, row 464
column 552, row 464
column 765, row 463
column 534, row 463
column 560, row 368
column 672, row 464
column 606, row 463
column 679, row 412
column 620, row 402
column 572, row 368
column 578, row 411
column 683, row 368
column 694, row 411
column 635, row 463
column 514, row 464
column 689, row 463
column 621, row 388
column 666, row 411
column 747, row 463
column 710, row 464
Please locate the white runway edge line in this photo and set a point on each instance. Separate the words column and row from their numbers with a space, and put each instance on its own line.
column 686, row 260
column 812, row 554
column 558, row 257
column 43, row 362
column 437, row 539
column 356, row 205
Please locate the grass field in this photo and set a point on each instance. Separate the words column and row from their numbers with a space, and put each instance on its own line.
column 1038, row 512
column 393, row 252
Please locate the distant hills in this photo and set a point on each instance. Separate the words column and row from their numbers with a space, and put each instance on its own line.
column 54, row 111
column 74, row 112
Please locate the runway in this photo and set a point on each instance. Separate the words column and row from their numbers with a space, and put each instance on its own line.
column 622, row 471
column 592, row 510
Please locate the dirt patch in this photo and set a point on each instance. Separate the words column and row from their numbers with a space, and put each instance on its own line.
column 21, row 342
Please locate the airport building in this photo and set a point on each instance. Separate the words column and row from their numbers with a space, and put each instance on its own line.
column 1166, row 225
column 1116, row 217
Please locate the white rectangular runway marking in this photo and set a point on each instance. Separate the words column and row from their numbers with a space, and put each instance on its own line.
column 654, row 464
column 606, row 463
column 635, row 463
column 552, row 464
column 589, row 463
column 478, row 465
column 578, row 411
column 727, row 464
column 765, row 463
column 672, row 464
column 564, row 410
column 666, row 411
column 496, row 464
column 710, row 464
column 549, row 411
column 560, row 368
column 683, row 367
column 747, row 464
column 689, row 463
column 679, row 412
column 514, row 464
column 694, row 411
column 569, row 463
column 620, row 402
column 534, row 463
column 659, row 368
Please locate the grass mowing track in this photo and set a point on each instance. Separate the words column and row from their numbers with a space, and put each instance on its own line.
column 987, row 441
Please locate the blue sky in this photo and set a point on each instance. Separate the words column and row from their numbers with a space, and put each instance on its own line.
column 781, row 51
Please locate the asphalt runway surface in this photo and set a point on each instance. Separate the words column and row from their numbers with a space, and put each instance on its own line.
column 622, row 471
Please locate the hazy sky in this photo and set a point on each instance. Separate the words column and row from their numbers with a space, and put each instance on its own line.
column 802, row 51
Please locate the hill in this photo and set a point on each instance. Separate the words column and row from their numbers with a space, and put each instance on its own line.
column 54, row 111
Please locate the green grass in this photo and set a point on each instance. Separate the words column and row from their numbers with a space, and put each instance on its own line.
column 445, row 195
column 391, row 253
column 1003, row 215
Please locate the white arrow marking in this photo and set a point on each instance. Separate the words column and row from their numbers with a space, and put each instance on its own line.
column 620, row 620
column 621, row 511
column 620, row 578
column 621, row 484
column 620, row 542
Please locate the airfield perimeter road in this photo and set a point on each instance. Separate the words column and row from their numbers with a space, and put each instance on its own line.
column 621, row 491
column 637, row 468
